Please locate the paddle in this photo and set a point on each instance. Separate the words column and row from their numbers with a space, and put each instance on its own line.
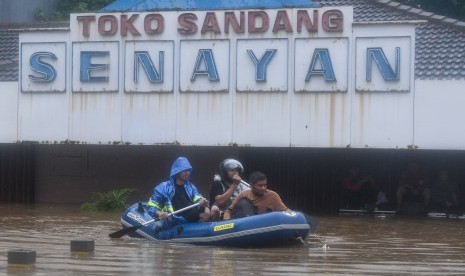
column 245, row 183
column 132, row 229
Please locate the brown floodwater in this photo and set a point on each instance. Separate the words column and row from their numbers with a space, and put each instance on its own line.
column 344, row 245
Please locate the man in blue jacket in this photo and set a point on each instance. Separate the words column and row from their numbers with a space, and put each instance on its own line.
column 178, row 192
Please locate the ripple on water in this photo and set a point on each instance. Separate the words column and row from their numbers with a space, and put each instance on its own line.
column 343, row 246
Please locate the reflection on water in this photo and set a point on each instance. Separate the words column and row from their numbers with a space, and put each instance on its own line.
column 344, row 245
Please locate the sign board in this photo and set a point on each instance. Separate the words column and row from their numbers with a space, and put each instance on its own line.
column 252, row 77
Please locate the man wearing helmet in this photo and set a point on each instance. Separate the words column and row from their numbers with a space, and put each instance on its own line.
column 226, row 186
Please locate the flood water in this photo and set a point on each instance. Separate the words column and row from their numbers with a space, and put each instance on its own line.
column 344, row 245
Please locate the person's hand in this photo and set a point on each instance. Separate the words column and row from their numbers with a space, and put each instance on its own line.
column 203, row 202
column 236, row 179
column 226, row 215
column 162, row 215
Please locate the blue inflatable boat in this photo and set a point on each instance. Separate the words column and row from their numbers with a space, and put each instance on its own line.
column 269, row 229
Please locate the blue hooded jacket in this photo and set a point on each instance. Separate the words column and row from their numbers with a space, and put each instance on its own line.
column 163, row 193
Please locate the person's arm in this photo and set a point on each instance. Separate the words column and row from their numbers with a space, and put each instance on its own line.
column 405, row 180
column 155, row 204
column 227, row 212
column 195, row 195
column 278, row 204
column 216, row 188
column 223, row 198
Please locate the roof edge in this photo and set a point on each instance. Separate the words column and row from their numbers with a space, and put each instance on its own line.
column 42, row 29
column 397, row 22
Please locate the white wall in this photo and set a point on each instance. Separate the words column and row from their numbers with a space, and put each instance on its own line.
column 439, row 120
column 357, row 113
column 8, row 112
column 43, row 116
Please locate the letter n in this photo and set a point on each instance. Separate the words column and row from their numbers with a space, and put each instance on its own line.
column 143, row 58
column 377, row 55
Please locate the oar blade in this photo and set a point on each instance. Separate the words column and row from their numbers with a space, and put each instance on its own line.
column 124, row 232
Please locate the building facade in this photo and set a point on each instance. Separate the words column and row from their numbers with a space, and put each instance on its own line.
column 300, row 92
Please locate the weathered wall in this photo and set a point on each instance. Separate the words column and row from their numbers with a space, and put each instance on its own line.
column 439, row 114
column 71, row 173
column 307, row 179
column 17, row 173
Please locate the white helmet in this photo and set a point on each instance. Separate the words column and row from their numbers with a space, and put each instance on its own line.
column 229, row 165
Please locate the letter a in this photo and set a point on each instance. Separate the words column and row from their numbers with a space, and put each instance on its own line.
column 205, row 65
column 321, row 55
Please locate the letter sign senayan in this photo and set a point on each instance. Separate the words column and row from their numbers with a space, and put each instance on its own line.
column 260, row 46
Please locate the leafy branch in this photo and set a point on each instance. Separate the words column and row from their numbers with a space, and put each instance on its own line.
column 112, row 201
column 65, row 7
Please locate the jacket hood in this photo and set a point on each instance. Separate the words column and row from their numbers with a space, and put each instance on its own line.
column 179, row 165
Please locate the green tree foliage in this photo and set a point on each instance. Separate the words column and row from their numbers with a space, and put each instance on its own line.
column 112, row 201
column 73, row 6
column 450, row 8
column 66, row 7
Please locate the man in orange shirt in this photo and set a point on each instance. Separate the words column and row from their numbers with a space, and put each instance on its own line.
column 256, row 200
